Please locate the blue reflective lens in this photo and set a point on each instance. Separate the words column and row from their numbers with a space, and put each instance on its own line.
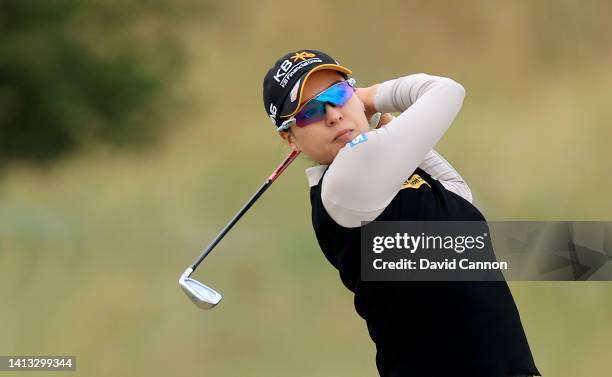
column 314, row 110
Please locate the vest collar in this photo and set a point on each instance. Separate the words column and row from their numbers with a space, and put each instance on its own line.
column 314, row 174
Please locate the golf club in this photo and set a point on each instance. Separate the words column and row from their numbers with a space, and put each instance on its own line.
column 205, row 297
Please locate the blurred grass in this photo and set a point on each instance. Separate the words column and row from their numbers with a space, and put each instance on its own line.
column 91, row 248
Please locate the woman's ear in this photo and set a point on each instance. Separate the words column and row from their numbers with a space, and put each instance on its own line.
column 289, row 139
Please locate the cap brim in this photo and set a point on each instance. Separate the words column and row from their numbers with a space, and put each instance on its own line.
column 293, row 107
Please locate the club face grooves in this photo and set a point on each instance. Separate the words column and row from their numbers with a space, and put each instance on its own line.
column 202, row 296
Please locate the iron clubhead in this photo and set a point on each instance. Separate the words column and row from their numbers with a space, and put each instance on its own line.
column 204, row 297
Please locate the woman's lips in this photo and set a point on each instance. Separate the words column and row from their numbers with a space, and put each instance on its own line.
column 344, row 136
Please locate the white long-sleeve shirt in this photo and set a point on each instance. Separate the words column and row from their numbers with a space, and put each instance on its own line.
column 368, row 172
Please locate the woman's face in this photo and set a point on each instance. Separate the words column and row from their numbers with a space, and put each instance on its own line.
column 322, row 140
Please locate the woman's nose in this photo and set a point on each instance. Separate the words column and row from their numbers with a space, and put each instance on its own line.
column 332, row 115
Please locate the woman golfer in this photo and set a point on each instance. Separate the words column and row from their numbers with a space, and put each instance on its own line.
column 421, row 329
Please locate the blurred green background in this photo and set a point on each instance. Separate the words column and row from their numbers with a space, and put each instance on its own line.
column 174, row 139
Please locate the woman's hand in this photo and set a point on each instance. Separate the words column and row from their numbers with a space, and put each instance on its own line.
column 366, row 95
column 384, row 119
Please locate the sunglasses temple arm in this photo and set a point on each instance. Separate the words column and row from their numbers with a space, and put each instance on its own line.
column 286, row 124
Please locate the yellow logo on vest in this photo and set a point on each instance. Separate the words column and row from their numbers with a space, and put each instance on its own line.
column 414, row 182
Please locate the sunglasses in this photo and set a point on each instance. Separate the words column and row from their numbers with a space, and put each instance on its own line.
column 314, row 110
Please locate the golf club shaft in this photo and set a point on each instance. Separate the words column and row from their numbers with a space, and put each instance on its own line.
column 275, row 174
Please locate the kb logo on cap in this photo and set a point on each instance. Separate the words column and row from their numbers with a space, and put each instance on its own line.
column 286, row 64
column 302, row 55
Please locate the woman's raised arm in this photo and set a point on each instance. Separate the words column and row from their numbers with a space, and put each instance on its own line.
column 368, row 172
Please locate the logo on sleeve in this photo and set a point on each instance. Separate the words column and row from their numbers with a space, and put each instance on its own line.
column 362, row 138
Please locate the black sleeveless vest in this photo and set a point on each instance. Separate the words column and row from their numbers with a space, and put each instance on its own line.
column 428, row 328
